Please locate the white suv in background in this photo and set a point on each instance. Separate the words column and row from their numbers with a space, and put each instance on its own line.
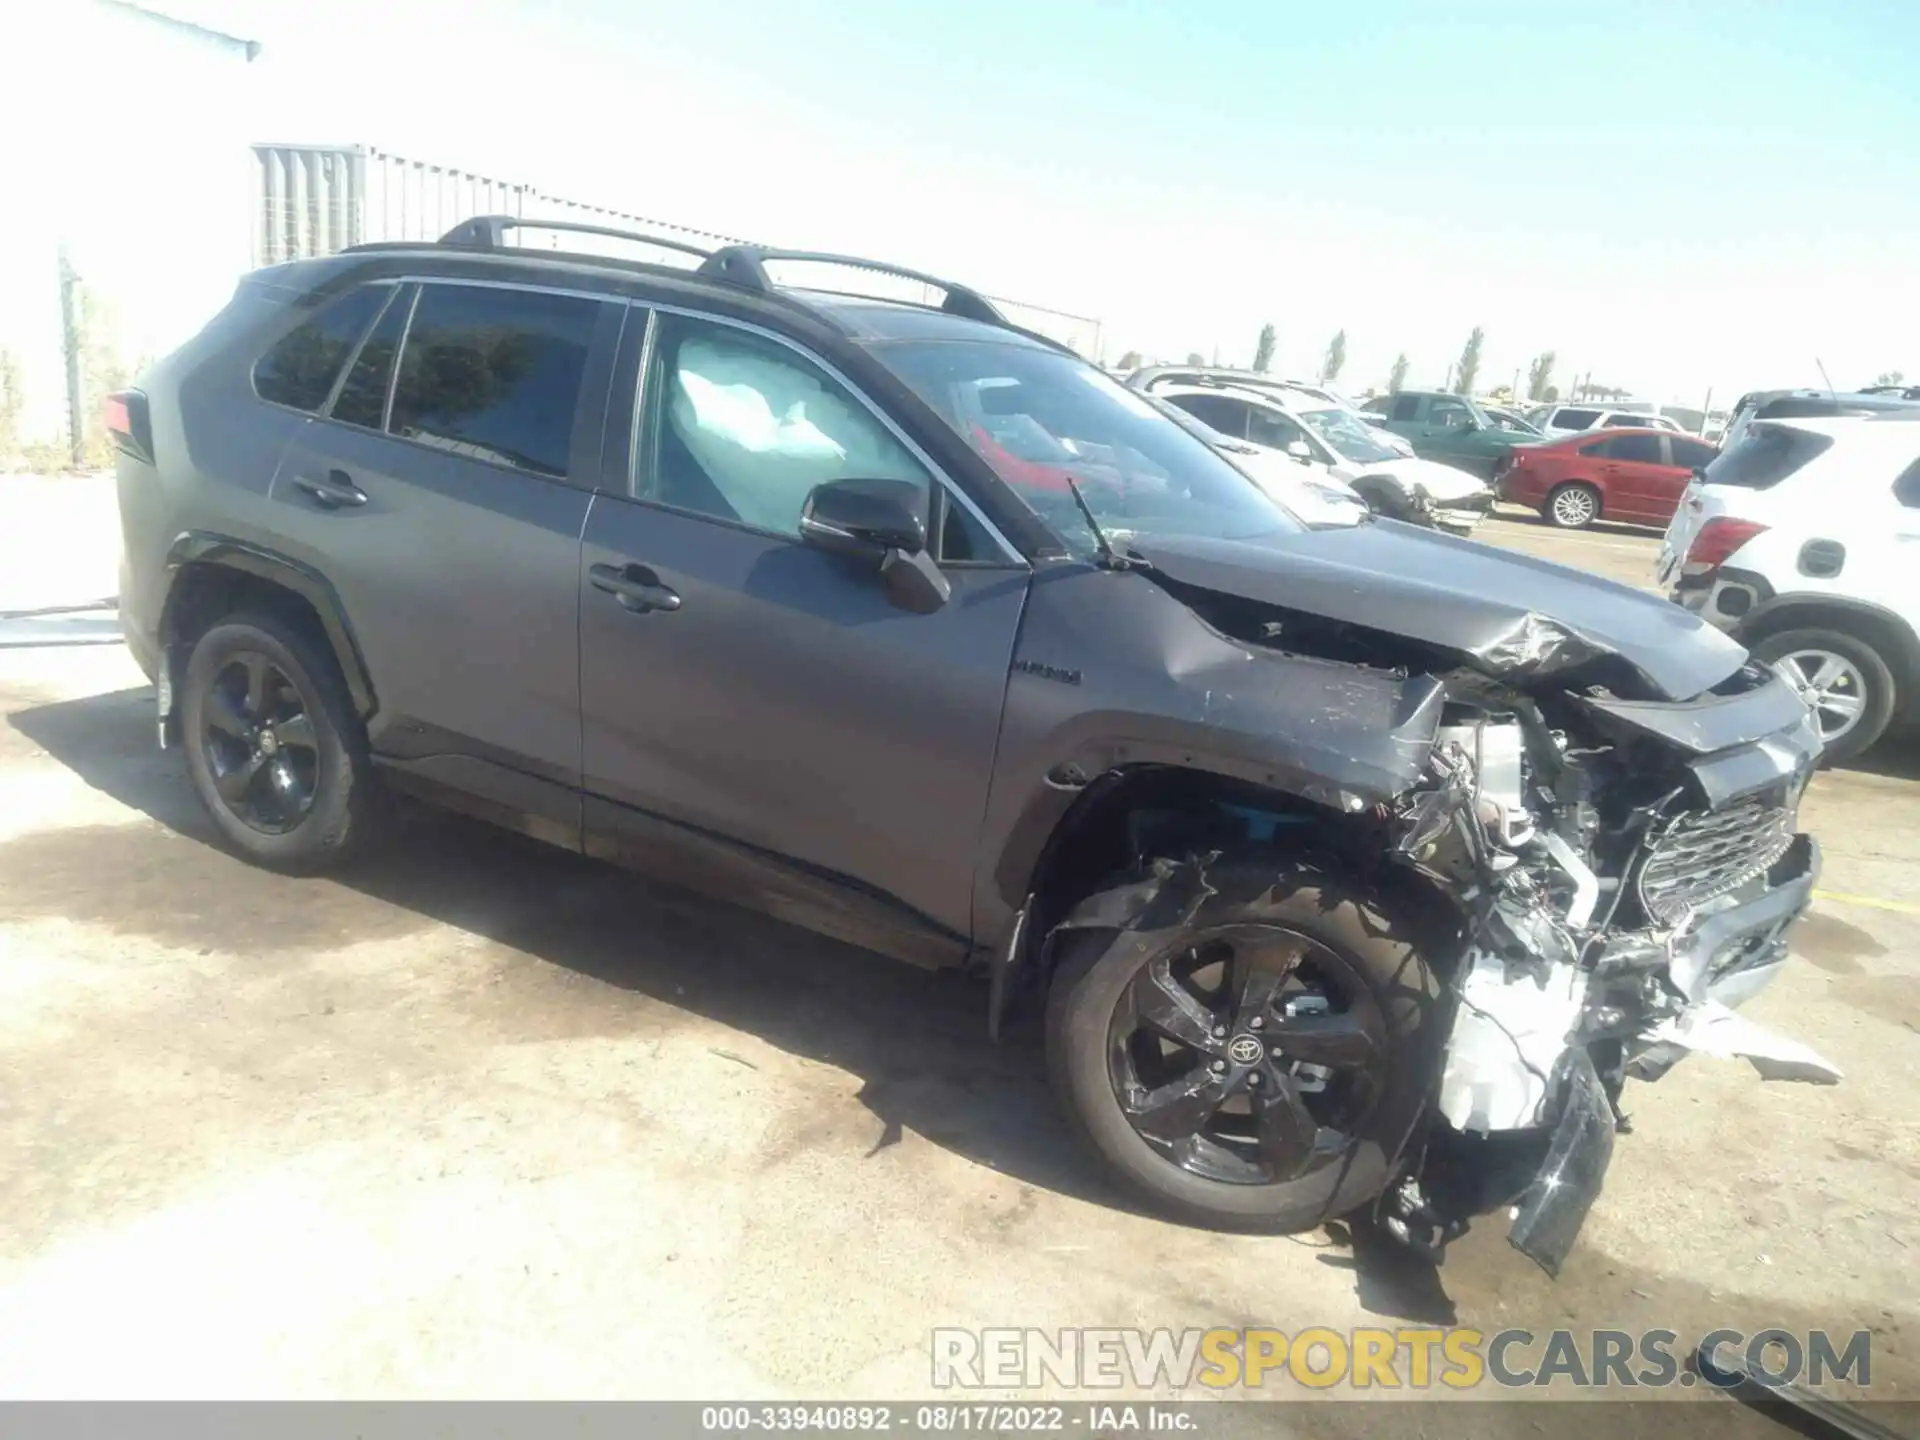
column 1334, row 441
column 1802, row 539
column 1576, row 419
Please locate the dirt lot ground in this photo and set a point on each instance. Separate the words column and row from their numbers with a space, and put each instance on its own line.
column 482, row 1119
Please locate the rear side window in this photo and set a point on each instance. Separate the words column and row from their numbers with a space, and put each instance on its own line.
column 363, row 394
column 494, row 374
column 301, row 368
column 1571, row 419
column 1634, row 449
column 1691, row 454
column 1765, row 456
column 1222, row 412
column 1906, row 489
column 1405, row 407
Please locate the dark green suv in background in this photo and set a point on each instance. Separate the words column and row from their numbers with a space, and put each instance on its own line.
column 1449, row 428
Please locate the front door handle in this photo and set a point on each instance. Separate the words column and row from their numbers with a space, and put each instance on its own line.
column 335, row 490
column 634, row 586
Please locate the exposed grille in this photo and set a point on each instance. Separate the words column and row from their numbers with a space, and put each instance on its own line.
column 1708, row 854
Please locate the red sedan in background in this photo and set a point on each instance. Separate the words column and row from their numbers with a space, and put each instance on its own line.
column 1633, row 475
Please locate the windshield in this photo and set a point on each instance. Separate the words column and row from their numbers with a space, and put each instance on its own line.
column 1040, row 418
column 1347, row 433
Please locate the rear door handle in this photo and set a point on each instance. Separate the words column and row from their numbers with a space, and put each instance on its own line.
column 634, row 586
column 335, row 490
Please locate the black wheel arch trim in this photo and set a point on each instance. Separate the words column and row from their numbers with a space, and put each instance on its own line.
column 201, row 547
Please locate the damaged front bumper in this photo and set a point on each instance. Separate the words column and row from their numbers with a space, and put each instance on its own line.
column 1542, row 1048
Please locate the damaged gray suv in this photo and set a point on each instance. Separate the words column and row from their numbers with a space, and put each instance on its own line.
column 1354, row 867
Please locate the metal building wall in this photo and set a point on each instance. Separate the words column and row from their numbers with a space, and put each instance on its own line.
column 312, row 200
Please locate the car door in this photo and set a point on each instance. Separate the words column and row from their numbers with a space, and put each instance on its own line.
column 443, row 497
column 1403, row 415
column 1448, row 435
column 760, row 720
column 1631, row 471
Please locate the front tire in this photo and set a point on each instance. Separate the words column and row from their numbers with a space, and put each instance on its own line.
column 1848, row 683
column 1250, row 1062
column 1571, row 507
column 273, row 745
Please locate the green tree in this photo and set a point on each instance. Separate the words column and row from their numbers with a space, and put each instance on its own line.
column 1194, row 357
column 1468, row 370
column 1130, row 360
column 1889, row 377
column 1540, row 375
column 1397, row 377
column 1550, row 393
column 1263, row 350
column 1336, row 360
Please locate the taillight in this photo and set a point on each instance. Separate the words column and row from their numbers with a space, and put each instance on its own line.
column 125, row 414
column 1718, row 539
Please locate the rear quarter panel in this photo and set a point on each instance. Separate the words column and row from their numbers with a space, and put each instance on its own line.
column 216, row 446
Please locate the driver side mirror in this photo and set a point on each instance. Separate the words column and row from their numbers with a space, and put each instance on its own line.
column 1300, row 450
column 879, row 523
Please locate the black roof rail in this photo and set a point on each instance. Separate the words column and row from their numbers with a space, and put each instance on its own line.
column 746, row 265
column 488, row 232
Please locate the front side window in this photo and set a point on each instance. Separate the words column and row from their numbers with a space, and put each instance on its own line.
column 1047, row 422
column 301, row 367
column 1572, row 419
column 1274, row 430
column 742, row 428
column 1349, row 436
column 1449, row 415
column 494, row 374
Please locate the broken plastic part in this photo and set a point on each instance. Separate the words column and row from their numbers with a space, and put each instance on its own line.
column 1549, row 1215
column 1710, row 1028
column 1508, row 1039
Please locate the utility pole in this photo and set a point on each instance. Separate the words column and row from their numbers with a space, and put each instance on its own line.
column 70, row 345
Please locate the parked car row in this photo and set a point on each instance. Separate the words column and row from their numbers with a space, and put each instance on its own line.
column 1300, row 435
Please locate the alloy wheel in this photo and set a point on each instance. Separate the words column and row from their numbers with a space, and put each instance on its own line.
column 1832, row 684
column 1250, row 1054
column 1574, row 507
column 258, row 739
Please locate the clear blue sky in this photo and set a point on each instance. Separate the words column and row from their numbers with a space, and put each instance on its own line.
column 1671, row 196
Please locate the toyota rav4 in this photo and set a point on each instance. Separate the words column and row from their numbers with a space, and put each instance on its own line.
column 1353, row 867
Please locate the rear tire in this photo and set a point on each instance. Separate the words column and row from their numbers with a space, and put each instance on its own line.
column 1572, row 506
column 1859, row 688
column 273, row 744
column 1260, row 1172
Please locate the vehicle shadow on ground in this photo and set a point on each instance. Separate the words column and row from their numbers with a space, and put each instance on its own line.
column 1897, row 757
column 1520, row 515
column 917, row 1041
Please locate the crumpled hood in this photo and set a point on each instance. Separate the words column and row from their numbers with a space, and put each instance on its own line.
column 1512, row 614
column 1441, row 482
